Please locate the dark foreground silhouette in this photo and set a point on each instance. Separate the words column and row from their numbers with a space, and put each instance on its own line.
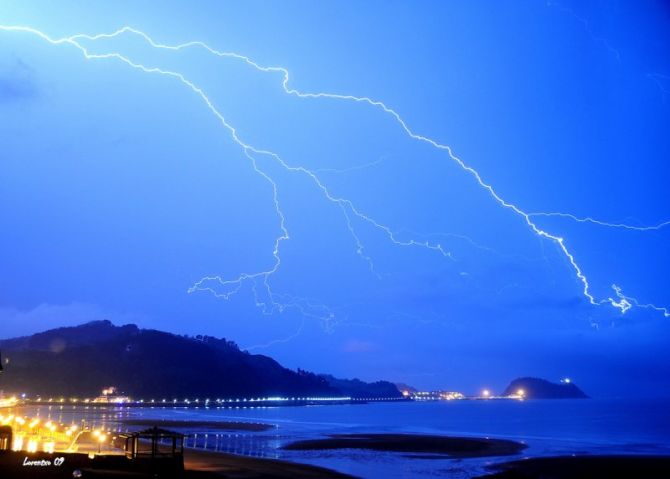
column 197, row 464
column 584, row 467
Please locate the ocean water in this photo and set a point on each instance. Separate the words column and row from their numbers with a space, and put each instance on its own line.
column 639, row 426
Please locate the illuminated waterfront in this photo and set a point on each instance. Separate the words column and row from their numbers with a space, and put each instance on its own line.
column 32, row 433
column 548, row 427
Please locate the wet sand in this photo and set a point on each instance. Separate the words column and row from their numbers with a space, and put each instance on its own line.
column 216, row 464
column 433, row 446
column 212, row 425
column 583, row 467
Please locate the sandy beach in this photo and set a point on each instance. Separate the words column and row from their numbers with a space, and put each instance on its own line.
column 198, row 463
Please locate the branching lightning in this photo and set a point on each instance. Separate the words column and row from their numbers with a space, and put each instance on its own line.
column 660, row 80
column 627, row 302
column 587, row 28
column 607, row 224
column 225, row 288
column 351, row 168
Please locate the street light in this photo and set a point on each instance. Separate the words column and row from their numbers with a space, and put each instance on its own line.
column 101, row 439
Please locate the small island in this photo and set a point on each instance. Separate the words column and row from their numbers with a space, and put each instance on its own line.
column 537, row 388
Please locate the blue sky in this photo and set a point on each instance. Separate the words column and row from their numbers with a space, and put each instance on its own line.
column 121, row 189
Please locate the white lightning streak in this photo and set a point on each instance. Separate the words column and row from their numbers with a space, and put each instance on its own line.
column 620, row 302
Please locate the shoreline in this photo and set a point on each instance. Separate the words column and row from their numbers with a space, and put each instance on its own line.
column 210, row 425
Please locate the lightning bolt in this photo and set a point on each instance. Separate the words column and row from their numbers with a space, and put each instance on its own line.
column 225, row 288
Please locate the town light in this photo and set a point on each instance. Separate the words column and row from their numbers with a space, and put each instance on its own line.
column 486, row 393
column 32, row 446
column 18, row 443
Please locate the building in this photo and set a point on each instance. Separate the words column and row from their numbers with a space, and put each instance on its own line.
column 111, row 395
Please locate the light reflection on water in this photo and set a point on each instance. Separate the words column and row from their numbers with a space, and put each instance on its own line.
column 249, row 444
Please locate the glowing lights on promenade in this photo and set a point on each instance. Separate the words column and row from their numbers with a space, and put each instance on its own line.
column 127, row 401
column 8, row 402
column 34, row 435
